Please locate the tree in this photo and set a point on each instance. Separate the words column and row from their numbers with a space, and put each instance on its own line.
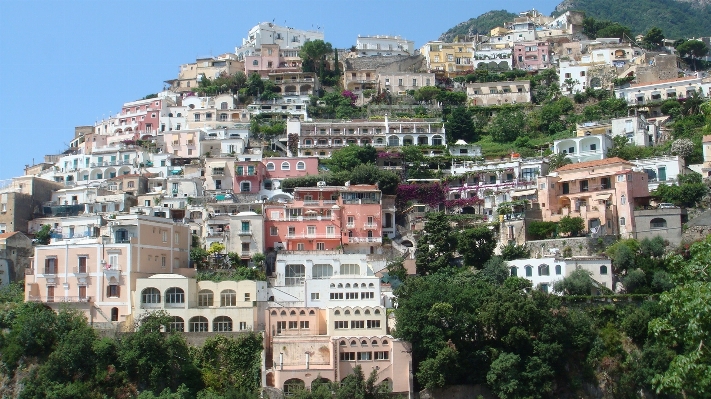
column 313, row 56
column 692, row 49
column 507, row 125
column 579, row 282
column 198, row 256
column 571, row 225
column 460, row 126
column 43, row 236
column 539, row 230
column 557, row 160
column 513, row 251
column 436, row 246
column 347, row 158
column 615, row 30
column 495, row 271
column 476, row 245
column 426, row 93
column 653, row 38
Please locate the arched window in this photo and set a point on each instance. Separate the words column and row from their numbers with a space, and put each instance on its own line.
column 337, row 312
column 623, row 221
column 270, row 165
column 340, row 285
column 357, row 312
column 285, row 165
column 342, row 343
column 255, row 63
column 557, row 270
column 222, row 323
column 362, row 285
column 300, row 166
column 544, row 270
column 347, row 312
column 321, row 271
column 174, row 295
column 170, row 114
column 623, row 199
column 436, row 140
column 150, row 295
column 311, row 312
column 223, row 117
column 205, row 298
column 176, row 324
column 293, row 385
column 379, row 141
column 354, row 343
column 348, row 285
column 198, row 324
column 274, row 313
column 371, row 285
column 302, row 313
column 114, row 314
column 385, row 342
column 658, row 223
column 529, row 270
column 228, row 298
column 393, row 141
column 283, row 313
column 513, row 271
column 364, row 343
column 292, row 313
column 374, row 343
column 377, row 311
column 603, row 270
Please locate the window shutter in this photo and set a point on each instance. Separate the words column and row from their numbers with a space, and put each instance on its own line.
column 118, row 290
column 108, row 291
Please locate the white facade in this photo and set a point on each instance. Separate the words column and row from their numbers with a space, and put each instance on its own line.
column 384, row 45
column 543, row 273
column 578, row 72
column 666, row 169
column 269, row 33
column 583, row 149
column 637, row 130
column 640, row 94
column 501, row 57
column 322, row 279
column 514, row 36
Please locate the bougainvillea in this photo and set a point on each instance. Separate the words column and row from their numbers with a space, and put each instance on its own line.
column 432, row 194
column 462, row 202
column 293, row 143
column 388, row 154
column 350, row 95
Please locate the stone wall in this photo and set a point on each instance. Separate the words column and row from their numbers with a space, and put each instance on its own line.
column 386, row 64
column 579, row 246
column 457, row 392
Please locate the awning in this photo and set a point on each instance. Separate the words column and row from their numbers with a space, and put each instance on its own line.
column 603, row 196
column 523, row 193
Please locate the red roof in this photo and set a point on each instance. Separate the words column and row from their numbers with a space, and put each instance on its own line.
column 8, row 235
column 590, row 164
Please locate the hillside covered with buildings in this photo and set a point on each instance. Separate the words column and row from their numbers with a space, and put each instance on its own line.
column 515, row 210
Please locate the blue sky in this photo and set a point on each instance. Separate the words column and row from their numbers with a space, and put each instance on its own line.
column 68, row 63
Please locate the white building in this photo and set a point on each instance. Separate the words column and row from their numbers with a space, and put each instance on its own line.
column 384, row 45
column 637, row 129
column 326, row 279
column 640, row 94
column 270, row 33
column 493, row 58
column 666, row 169
column 585, row 148
column 543, row 273
column 462, row 149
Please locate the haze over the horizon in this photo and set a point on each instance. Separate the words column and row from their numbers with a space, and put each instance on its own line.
column 69, row 63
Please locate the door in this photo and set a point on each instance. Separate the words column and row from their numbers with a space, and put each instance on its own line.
column 82, row 293
column 50, row 293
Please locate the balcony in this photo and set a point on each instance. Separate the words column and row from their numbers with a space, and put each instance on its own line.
column 313, row 236
column 370, row 226
column 112, row 271
column 59, row 299
column 358, row 240
column 245, row 232
column 80, row 271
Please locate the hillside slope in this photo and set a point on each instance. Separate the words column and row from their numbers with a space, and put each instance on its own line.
column 481, row 24
column 676, row 18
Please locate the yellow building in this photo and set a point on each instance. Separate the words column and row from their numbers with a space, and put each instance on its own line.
column 451, row 58
column 498, row 31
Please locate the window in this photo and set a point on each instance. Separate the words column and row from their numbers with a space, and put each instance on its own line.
column 293, row 325
column 315, row 296
column 566, row 188
column 281, row 326
column 543, row 270
column 373, row 323
column 365, row 355
column 623, row 200
column 285, row 166
column 205, row 298
column 113, row 291
column 150, row 295
column 340, row 324
column 114, row 314
column 294, row 275
column 529, row 270
column 330, row 231
column 357, row 323
column 350, row 221
column 50, row 266
column 320, row 246
column 350, row 269
column 270, row 166
column 273, row 231
column 311, row 230
column 603, row 270
column 557, row 270
column 174, row 295
column 382, row 355
column 336, row 295
column 81, row 268
column 300, row 165
column 367, row 295
column 304, row 324
column 658, row 223
column 198, row 324
column 583, row 185
column 348, row 356
column 512, row 271
column 228, row 298
column 321, row 271
column 165, row 236
column 222, row 323
column 176, row 324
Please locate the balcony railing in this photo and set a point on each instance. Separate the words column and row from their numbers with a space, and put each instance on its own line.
column 355, row 240
column 311, row 236
column 80, row 270
column 59, row 299
column 370, row 226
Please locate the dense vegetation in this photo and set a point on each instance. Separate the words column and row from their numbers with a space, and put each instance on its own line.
column 479, row 326
column 479, row 25
column 50, row 355
column 678, row 19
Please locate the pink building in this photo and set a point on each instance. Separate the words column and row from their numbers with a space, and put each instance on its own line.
column 97, row 275
column 271, row 59
column 249, row 176
column 136, row 119
column 603, row 192
column 300, row 350
column 326, row 217
column 532, row 55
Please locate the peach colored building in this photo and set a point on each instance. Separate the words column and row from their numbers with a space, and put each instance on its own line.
column 325, row 218
column 603, row 192
column 300, row 348
column 97, row 274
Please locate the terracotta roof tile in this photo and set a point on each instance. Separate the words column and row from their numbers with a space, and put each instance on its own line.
column 706, row 139
column 8, row 235
column 589, row 164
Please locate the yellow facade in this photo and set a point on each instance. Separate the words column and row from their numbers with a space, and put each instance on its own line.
column 449, row 57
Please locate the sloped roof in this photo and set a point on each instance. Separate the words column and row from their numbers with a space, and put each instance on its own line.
column 590, row 164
